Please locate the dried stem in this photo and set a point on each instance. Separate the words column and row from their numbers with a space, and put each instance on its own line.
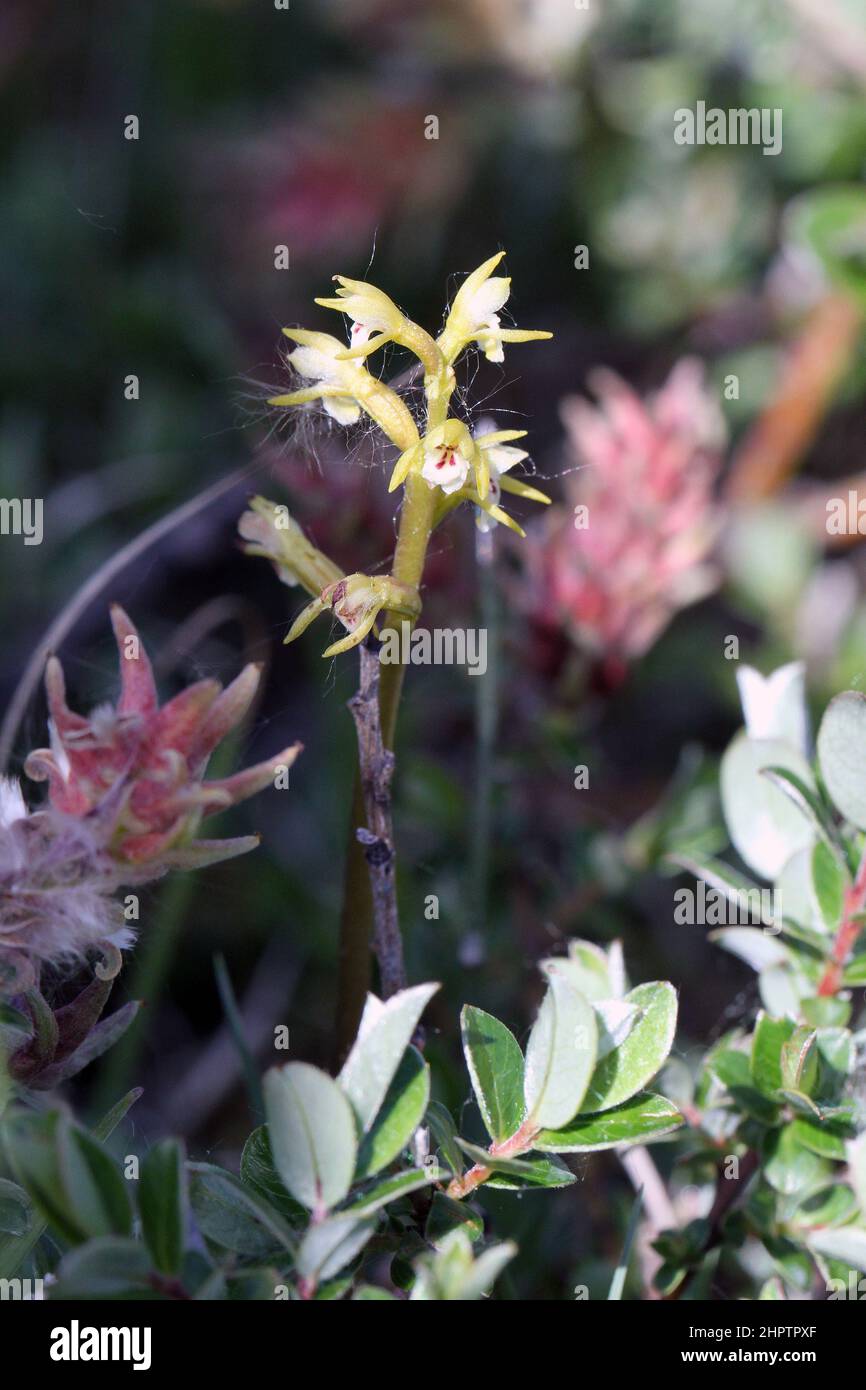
column 376, row 763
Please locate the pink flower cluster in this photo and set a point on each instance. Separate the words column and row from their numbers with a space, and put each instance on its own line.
column 126, row 798
column 633, row 545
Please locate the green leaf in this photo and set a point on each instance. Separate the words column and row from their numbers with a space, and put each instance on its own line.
column 446, row 1215
column 855, row 972
column 392, row 1189
column 848, row 1244
column 560, row 1054
column 829, row 882
column 104, row 1128
column 809, row 804
column 825, row 1012
column 855, row 1151
column 631, row 1066
column 829, row 1206
column 743, row 893
column 444, row 1132
column 589, row 970
column 788, row 1166
column 831, row 222
column 495, row 1064
column 825, row 1138
column 385, row 1032
column 312, row 1132
column 769, row 1038
column 640, row 1120
column 332, row 1244
column 399, row 1116
column 733, row 1069
column 232, row 1216
column 800, row 1061
column 259, row 1174
column 109, row 1267
column 14, row 1250
column 543, row 1172
column 759, row 949
column 16, row 1213
column 764, row 826
column 162, row 1204
column 96, row 1191
column 842, row 755
column 617, row 1283
column 70, row 1178
column 516, row 1167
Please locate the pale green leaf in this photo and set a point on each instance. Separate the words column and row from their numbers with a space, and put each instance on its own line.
column 312, row 1133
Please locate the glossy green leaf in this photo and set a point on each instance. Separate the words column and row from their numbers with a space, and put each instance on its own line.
column 631, row 1066
column 516, row 1167
column 312, row 1133
column 495, row 1064
column 392, row 1189
column 543, row 1171
column 800, row 1061
column 400, row 1114
column 769, row 1038
column 788, row 1166
column 734, row 1071
column 560, row 1054
column 639, row 1120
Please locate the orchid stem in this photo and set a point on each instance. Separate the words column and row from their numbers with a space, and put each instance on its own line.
column 356, row 923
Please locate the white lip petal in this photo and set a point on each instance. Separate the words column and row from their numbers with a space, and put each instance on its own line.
column 446, row 469
column 314, row 364
column 487, row 300
column 501, row 457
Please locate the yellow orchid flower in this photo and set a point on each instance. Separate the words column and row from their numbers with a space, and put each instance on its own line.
column 357, row 600
column 444, row 458
column 376, row 320
column 344, row 387
column 474, row 316
column 496, row 447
